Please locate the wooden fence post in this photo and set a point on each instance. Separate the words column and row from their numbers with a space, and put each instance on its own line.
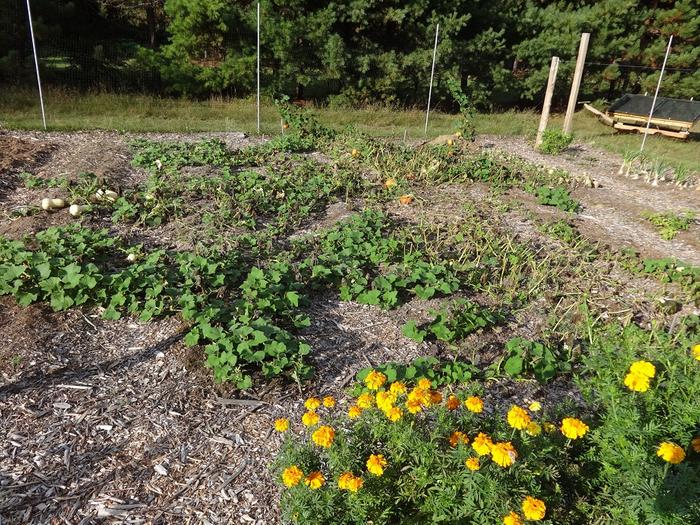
column 553, row 68
column 576, row 84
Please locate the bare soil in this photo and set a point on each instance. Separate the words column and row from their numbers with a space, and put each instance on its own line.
column 118, row 422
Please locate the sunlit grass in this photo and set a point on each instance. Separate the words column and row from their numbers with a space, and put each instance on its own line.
column 70, row 111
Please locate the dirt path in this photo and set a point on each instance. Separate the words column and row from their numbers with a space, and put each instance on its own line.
column 613, row 212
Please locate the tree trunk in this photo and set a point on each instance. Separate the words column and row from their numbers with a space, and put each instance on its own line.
column 152, row 24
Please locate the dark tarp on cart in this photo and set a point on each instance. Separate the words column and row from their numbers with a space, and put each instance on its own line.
column 666, row 108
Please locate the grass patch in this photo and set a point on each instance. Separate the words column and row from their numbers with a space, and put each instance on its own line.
column 68, row 111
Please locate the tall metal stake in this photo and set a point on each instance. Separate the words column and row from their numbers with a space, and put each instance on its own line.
column 36, row 64
column 432, row 74
column 258, row 96
column 656, row 94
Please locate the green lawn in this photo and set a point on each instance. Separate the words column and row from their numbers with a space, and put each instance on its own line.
column 140, row 113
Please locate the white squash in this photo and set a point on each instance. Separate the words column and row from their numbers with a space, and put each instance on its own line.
column 76, row 210
column 52, row 204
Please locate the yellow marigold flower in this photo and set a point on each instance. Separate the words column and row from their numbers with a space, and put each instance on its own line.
column 355, row 484
column 323, row 436
column 518, row 418
column 453, row 402
column 376, row 464
column 291, row 476
column 535, row 406
column 385, row 400
column 435, row 397
column 636, row 382
column 573, row 428
column 365, row 400
column 549, row 427
column 375, row 380
column 310, row 419
column 397, row 388
column 458, row 437
column 354, row 412
column 695, row 443
column 534, row 509
column 312, row 404
column 282, row 424
column 643, row 368
column 315, row 480
column 696, row 352
column 425, row 384
column 420, row 395
column 504, row 454
column 344, row 480
column 393, row 414
column 473, row 464
column 670, row 452
column 329, row 401
column 512, row 519
column 474, row 404
column 414, row 406
column 482, row 444
column 534, row 429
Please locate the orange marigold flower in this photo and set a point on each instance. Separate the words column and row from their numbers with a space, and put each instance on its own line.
column 473, row 464
column 695, row 443
column 397, row 388
column 389, row 183
column 310, row 419
column 453, row 402
column 414, row 406
column 291, row 476
column 365, row 400
column 375, row 380
column 420, row 395
column 643, row 368
column 636, row 382
column 518, row 418
column 354, row 412
column 355, row 484
column 474, row 404
column 504, row 454
column 669, row 451
column 435, row 397
column 376, row 464
column 457, row 437
column 315, row 480
column 512, row 519
column 312, row 404
column 573, row 428
column 323, row 436
column 344, row 479
column 534, row 509
column 329, row 401
column 482, row 444
column 282, row 424
column 394, row 414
